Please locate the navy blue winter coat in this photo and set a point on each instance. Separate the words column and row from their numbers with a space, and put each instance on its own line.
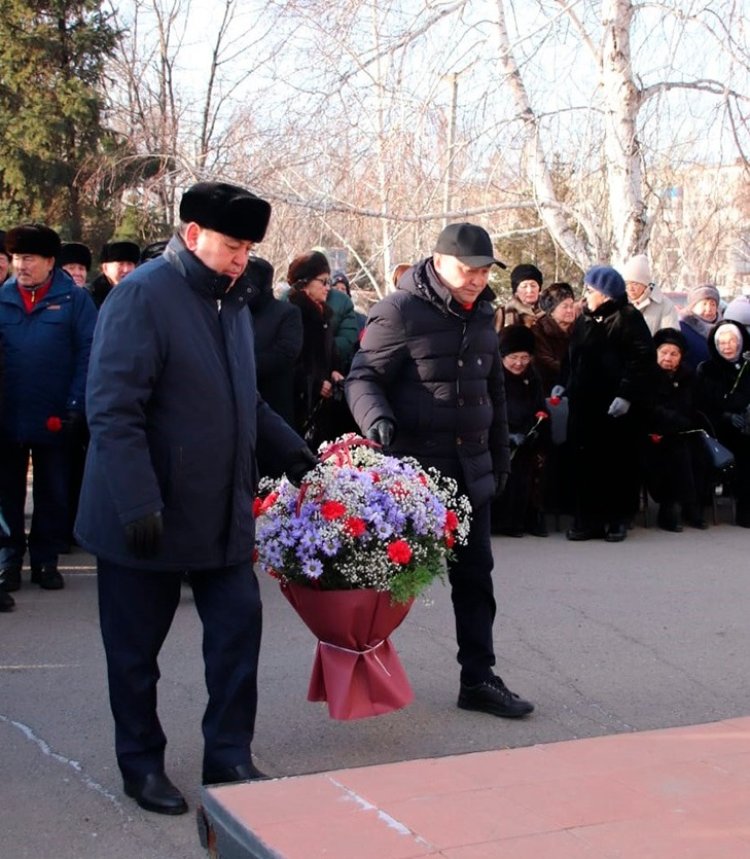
column 46, row 357
column 434, row 368
column 175, row 418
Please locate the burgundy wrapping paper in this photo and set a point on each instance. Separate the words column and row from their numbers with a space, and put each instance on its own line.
column 356, row 669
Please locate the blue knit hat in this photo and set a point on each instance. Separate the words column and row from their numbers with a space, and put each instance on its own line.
column 605, row 279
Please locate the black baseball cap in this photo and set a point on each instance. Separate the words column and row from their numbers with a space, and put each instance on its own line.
column 469, row 243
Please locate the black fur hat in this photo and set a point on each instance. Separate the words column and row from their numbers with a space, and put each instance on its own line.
column 673, row 336
column 120, row 252
column 304, row 268
column 516, row 338
column 227, row 209
column 35, row 239
column 555, row 294
column 525, row 271
column 75, row 252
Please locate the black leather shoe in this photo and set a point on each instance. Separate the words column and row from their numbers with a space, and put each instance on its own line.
column 669, row 518
column 616, row 532
column 47, row 576
column 493, row 697
column 580, row 534
column 227, row 775
column 7, row 603
column 156, row 793
column 10, row 579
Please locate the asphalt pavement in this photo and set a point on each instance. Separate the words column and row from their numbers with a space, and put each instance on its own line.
column 604, row 638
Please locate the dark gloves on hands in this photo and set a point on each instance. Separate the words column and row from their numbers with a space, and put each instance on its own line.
column 501, row 481
column 144, row 535
column 298, row 464
column 382, row 432
column 75, row 422
column 737, row 421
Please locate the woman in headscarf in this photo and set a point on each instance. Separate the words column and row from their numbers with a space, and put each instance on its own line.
column 675, row 469
column 724, row 396
column 552, row 332
column 702, row 312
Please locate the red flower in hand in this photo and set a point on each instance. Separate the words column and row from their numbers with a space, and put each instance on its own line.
column 54, row 424
column 399, row 551
column 555, row 401
column 541, row 416
column 655, row 437
column 331, row 510
column 354, row 526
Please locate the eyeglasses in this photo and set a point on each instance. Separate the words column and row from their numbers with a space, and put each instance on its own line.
column 324, row 280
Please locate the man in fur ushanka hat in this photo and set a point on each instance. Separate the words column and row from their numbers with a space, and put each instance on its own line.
column 46, row 325
column 175, row 421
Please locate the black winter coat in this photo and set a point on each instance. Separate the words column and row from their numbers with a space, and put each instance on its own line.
column 175, row 419
column 434, row 368
column 674, row 409
column 315, row 364
column 611, row 355
column 278, row 345
column 551, row 348
column 99, row 288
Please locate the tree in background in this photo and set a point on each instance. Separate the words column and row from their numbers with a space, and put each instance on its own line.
column 52, row 61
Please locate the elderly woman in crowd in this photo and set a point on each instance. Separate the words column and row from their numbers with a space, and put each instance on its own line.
column 644, row 295
column 552, row 332
column 724, row 396
column 317, row 375
column 701, row 314
column 523, row 309
column 675, row 468
column 610, row 385
column 519, row 508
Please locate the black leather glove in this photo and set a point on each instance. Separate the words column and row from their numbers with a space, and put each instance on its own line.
column 382, row 432
column 298, row 464
column 74, row 423
column 144, row 535
column 501, row 481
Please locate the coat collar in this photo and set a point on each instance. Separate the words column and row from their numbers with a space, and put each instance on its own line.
column 422, row 280
column 200, row 277
column 62, row 285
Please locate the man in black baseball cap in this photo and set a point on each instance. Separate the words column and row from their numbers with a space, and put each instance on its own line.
column 427, row 382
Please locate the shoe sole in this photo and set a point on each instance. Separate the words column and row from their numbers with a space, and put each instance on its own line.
column 494, row 711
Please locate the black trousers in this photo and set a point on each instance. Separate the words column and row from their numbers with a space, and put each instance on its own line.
column 49, row 522
column 472, row 592
column 136, row 609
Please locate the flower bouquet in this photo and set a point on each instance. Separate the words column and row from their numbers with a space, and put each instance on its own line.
column 352, row 547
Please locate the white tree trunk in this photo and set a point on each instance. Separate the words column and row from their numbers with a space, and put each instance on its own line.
column 536, row 167
column 622, row 150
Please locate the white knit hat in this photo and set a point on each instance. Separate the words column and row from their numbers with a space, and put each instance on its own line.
column 637, row 270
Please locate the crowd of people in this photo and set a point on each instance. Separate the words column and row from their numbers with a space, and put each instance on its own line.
column 150, row 398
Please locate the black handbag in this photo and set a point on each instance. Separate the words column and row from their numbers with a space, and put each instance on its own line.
column 720, row 458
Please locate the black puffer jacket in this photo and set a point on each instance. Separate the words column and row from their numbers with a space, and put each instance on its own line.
column 434, row 368
column 100, row 287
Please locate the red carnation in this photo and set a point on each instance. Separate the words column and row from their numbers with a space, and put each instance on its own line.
column 54, row 424
column 270, row 499
column 257, row 507
column 541, row 416
column 354, row 526
column 450, row 540
column 555, row 401
column 399, row 551
column 451, row 520
column 331, row 510
column 375, row 477
column 655, row 437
